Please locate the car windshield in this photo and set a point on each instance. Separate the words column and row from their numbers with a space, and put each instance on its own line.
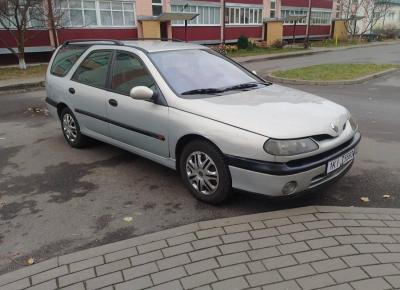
column 201, row 72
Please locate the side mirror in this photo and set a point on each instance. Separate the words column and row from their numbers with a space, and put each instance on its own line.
column 254, row 72
column 142, row 93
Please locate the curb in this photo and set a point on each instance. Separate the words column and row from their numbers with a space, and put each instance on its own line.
column 295, row 54
column 274, row 79
column 22, row 87
column 178, row 231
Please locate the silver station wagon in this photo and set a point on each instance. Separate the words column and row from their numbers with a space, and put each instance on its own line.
column 187, row 107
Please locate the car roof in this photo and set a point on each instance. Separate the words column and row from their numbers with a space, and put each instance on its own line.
column 158, row 45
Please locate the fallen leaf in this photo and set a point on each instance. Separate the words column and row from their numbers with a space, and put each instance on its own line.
column 128, row 219
column 31, row 261
column 364, row 199
column 386, row 196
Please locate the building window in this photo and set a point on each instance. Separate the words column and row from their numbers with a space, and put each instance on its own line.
column 321, row 17
column 83, row 13
column 208, row 15
column 317, row 17
column 243, row 15
column 272, row 9
column 157, row 7
column 294, row 12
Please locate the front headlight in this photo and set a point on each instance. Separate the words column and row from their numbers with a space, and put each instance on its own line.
column 290, row 147
column 353, row 124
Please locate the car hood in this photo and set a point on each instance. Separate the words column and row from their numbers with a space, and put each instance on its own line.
column 273, row 111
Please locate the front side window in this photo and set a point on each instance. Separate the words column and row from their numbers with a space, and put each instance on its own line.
column 93, row 70
column 129, row 72
column 187, row 70
column 66, row 57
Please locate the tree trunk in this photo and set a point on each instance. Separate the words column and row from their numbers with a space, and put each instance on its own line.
column 21, row 51
column 21, row 60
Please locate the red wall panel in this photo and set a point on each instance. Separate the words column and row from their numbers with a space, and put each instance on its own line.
column 197, row 33
column 86, row 33
column 304, row 3
column 37, row 38
column 260, row 2
column 235, row 32
column 301, row 30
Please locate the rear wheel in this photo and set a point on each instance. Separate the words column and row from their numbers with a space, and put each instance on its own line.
column 71, row 130
column 204, row 172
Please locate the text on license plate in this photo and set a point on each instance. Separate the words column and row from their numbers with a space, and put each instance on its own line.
column 340, row 161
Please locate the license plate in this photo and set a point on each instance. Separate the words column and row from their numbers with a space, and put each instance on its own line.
column 340, row 161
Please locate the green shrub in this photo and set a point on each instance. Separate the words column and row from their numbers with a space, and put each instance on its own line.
column 243, row 42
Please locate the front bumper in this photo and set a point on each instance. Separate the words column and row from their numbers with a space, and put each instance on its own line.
column 269, row 178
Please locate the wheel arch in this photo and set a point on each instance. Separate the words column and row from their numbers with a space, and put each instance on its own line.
column 186, row 139
column 60, row 107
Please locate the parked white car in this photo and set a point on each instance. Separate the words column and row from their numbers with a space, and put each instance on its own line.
column 187, row 107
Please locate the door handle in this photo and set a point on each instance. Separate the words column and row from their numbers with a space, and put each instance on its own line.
column 71, row 90
column 113, row 102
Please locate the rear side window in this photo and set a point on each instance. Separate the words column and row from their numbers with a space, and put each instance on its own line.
column 93, row 70
column 65, row 59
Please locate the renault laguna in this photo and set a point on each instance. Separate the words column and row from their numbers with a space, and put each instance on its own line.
column 194, row 110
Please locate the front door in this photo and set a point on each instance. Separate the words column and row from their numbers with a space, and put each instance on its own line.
column 164, row 30
column 138, row 123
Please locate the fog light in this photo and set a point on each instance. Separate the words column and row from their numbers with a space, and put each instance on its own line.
column 289, row 188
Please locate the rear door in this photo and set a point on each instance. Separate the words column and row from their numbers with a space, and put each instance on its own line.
column 139, row 123
column 86, row 91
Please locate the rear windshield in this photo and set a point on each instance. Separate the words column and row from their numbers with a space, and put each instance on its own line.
column 66, row 58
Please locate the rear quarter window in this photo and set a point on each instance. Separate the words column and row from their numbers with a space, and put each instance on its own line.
column 66, row 57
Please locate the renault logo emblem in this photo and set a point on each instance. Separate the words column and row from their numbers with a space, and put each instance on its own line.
column 335, row 127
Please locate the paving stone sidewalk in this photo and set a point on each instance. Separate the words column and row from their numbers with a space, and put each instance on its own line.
column 302, row 248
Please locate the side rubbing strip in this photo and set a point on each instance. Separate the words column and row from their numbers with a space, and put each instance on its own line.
column 51, row 102
column 130, row 128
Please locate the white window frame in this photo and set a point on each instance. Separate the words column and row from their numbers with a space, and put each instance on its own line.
column 235, row 12
column 272, row 9
column 315, row 21
column 66, row 11
column 212, row 11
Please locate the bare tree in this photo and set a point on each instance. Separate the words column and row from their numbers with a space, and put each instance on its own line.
column 370, row 12
column 18, row 17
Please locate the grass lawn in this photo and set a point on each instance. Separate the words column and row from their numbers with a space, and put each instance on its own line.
column 7, row 73
column 332, row 72
column 261, row 51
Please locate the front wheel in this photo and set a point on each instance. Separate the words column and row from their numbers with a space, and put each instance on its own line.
column 204, row 172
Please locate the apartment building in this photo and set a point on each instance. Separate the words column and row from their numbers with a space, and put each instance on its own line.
column 208, row 21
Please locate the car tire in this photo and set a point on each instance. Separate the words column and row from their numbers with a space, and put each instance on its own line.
column 204, row 172
column 71, row 129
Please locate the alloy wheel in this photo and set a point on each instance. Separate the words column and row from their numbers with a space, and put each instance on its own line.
column 202, row 173
column 69, row 127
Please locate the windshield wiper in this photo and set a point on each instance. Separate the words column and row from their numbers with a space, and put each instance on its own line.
column 245, row 86
column 209, row 91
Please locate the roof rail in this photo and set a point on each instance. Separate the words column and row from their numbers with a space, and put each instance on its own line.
column 116, row 42
column 155, row 38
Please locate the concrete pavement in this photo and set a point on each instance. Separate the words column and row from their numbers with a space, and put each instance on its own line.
column 302, row 248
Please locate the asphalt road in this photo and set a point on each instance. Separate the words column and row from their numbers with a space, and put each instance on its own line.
column 55, row 199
